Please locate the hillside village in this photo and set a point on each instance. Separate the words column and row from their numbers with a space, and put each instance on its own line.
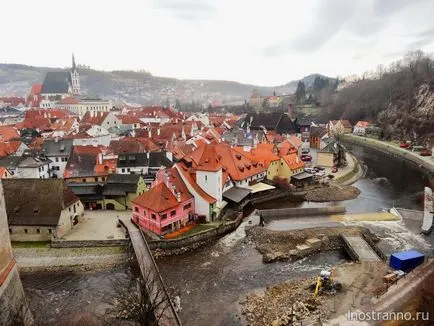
column 82, row 171
column 168, row 167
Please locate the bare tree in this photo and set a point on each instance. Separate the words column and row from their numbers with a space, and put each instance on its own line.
column 141, row 300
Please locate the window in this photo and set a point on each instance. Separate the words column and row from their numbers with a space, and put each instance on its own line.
column 187, row 206
column 281, row 163
column 38, row 231
column 123, row 170
column 49, row 231
column 164, row 216
column 69, row 208
column 25, row 230
column 136, row 209
column 57, row 159
column 153, row 216
column 10, row 231
column 128, row 170
column 173, row 213
column 75, row 210
column 206, row 178
column 84, row 180
column 144, row 213
column 64, row 159
column 96, row 179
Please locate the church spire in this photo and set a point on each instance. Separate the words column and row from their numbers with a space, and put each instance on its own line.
column 73, row 63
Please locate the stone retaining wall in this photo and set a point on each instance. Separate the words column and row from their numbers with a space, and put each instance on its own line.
column 390, row 150
column 300, row 212
column 56, row 243
column 196, row 238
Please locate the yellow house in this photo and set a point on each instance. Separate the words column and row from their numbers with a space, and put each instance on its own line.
column 289, row 165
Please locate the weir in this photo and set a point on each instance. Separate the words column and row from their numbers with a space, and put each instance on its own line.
column 149, row 268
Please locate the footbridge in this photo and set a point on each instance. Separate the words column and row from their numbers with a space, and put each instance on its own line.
column 359, row 249
column 152, row 278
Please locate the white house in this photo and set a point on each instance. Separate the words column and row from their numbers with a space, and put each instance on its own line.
column 360, row 128
column 58, row 151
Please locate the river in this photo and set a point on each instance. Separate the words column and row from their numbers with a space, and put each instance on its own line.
column 212, row 280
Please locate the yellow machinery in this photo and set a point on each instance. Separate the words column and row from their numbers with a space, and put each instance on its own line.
column 326, row 284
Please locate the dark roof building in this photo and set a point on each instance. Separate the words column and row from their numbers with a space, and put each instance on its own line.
column 154, row 159
column 281, row 123
column 36, row 202
column 57, row 82
column 57, row 147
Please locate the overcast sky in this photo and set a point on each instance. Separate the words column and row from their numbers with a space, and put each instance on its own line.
column 252, row 41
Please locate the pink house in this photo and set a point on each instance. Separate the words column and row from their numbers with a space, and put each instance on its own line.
column 166, row 207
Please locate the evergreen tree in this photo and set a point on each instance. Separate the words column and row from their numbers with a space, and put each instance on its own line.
column 300, row 93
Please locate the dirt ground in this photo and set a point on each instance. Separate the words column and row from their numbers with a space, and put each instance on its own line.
column 273, row 306
column 333, row 193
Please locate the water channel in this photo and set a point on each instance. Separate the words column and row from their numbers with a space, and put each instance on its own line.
column 212, row 280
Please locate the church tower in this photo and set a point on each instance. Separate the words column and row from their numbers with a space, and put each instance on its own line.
column 75, row 78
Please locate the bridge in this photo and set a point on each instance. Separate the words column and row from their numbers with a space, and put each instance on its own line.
column 359, row 249
column 151, row 275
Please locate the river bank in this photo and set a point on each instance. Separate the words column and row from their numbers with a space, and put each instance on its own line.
column 425, row 162
column 69, row 259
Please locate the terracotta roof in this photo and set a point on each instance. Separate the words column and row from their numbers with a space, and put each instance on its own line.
column 8, row 148
column 293, row 161
column 108, row 166
column 8, row 132
column 286, row 148
column 36, row 143
column 233, row 163
column 295, row 141
column 94, row 150
column 36, row 89
column 94, row 118
column 158, row 199
column 129, row 119
column 362, row 124
column 69, row 100
column 261, row 155
column 147, row 144
column 46, row 113
column 173, row 178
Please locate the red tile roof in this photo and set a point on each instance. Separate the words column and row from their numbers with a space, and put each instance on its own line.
column 94, row 118
column 8, row 132
column 69, row 100
column 36, row 89
column 129, row 119
column 158, row 199
column 46, row 113
column 261, row 155
column 173, row 178
column 8, row 148
column 362, row 124
column 293, row 161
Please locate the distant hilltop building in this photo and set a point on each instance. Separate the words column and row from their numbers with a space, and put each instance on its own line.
column 60, row 84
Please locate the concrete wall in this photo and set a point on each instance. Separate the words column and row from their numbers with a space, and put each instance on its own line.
column 325, row 159
column 300, row 212
column 58, row 243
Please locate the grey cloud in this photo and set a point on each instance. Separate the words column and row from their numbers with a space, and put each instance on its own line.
column 418, row 44
column 427, row 33
column 327, row 21
column 191, row 10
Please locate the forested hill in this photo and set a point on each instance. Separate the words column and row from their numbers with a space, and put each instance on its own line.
column 400, row 99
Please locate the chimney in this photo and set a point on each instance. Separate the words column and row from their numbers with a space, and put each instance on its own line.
column 100, row 158
column 149, row 133
column 147, row 155
column 158, row 131
column 178, row 197
column 173, row 189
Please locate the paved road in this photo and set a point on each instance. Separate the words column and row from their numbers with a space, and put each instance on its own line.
column 362, row 249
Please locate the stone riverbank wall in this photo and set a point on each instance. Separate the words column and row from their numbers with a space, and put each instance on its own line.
column 281, row 213
column 57, row 243
column 426, row 165
column 203, row 236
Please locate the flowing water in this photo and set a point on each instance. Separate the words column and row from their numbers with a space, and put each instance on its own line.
column 212, row 280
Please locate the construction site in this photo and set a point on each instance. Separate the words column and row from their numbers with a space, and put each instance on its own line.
column 382, row 274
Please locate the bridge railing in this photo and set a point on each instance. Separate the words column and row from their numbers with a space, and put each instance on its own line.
column 353, row 255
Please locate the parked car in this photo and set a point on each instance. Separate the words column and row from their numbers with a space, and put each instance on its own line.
column 320, row 168
column 404, row 145
column 320, row 174
column 306, row 158
column 310, row 170
column 305, row 150
column 425, row 152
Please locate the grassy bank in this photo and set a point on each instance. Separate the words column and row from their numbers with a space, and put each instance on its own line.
column 350, row 175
